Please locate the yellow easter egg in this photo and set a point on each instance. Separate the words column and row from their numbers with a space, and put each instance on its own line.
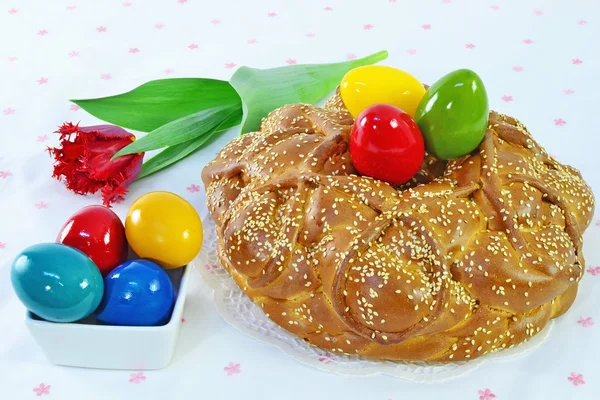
column 165, row 228
column 365, row 86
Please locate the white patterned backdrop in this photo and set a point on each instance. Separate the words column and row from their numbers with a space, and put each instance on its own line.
column 538, row 59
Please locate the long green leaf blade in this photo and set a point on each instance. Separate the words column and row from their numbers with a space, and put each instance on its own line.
column 181, row 130
column 176, row 153
column 171, row 155
column 263, row 90
column 158, row 102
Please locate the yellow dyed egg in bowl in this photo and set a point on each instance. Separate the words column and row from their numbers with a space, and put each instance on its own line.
column 165, row 228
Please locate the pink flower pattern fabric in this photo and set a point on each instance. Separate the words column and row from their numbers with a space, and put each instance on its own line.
column 576, row 379
column 41, row 204
column 193, row 188
column 137, row 378
column 42, row 389
column 232, row 369
column 57, row 51
column 326, row 358
column 486, row 394
column 559, row 122
column 594, row 271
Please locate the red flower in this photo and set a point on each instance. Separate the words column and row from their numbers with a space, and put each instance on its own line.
column 83, row 159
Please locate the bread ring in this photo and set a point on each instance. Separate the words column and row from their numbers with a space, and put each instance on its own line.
column 472, row 256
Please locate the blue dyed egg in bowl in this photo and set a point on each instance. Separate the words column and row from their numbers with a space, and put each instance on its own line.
column 90, row 344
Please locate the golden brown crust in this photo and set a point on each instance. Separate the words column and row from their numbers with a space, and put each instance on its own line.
column 472, row 256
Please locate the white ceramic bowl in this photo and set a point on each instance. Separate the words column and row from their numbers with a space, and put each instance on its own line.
column 91, row 345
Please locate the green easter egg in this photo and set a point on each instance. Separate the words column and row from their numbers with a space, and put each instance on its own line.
column 453, row 115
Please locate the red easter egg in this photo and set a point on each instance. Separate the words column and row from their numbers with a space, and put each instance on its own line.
column 99, row 233
column 386, row 144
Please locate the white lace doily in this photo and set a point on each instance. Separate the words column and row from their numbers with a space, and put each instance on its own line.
column 238, row 310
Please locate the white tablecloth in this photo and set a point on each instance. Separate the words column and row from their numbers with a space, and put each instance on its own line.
column 539, row 61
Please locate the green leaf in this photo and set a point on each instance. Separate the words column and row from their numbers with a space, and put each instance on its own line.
column 156, row 103
column 263, row 90
column 173, row 154
column 182, row 130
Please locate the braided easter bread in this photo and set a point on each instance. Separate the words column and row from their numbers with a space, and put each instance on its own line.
column 473, row 255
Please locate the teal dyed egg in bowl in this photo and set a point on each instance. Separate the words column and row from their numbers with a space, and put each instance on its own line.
column 56, row 282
